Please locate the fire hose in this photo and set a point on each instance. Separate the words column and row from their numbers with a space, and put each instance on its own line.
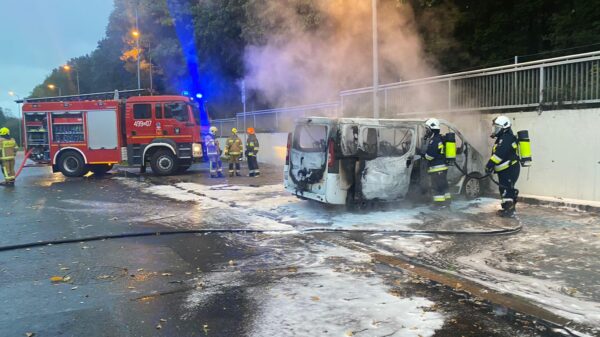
column 489, row 175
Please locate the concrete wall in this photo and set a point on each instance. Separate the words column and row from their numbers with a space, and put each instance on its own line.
column 272, row 147
column 565, row 148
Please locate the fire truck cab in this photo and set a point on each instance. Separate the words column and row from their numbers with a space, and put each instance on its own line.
column 79, row 136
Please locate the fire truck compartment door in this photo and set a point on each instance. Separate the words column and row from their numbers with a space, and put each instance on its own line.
column 102, row 130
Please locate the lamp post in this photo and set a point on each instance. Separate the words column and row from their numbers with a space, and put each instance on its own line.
column 68, row 68
column 13, row 94
column 136, row 36
column 375, row 61
column 53, row 87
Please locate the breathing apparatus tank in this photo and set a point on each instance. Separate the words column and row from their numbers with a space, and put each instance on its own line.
column 450, row 147
column 524, row 148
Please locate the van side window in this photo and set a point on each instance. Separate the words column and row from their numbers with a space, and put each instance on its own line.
column 349, row 140
column 177, row 111
column 142, row 111
column 310, row 138
column 394, row 142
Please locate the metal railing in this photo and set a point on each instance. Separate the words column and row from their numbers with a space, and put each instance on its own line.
column 274, row 120
column 558, row 82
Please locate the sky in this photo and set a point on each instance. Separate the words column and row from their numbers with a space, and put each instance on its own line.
column 39, row 35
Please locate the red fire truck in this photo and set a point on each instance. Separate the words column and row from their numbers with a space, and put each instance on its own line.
column 79, row 134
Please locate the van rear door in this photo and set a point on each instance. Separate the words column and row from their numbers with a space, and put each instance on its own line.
column 308, row 157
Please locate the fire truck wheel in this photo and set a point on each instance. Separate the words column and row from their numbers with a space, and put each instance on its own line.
column 100, row 169
column 71, row 164
column 163, row 162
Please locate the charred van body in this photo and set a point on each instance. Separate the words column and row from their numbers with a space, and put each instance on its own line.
column 354, row 160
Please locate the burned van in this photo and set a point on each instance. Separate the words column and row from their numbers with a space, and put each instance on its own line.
column 354, row 160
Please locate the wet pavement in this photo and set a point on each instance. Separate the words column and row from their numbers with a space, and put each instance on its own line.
column 283, row 282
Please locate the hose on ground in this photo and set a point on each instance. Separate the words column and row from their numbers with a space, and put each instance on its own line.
column 502, row 231
column 471, row 176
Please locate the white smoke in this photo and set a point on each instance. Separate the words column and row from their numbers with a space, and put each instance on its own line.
column 310, row 50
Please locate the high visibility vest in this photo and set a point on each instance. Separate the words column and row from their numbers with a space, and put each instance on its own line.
column 8, row 148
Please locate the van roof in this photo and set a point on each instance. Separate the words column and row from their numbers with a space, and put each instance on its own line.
column 361, row 120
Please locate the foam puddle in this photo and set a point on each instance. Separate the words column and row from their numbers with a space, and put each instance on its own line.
column 270, row 206
column 333, row 295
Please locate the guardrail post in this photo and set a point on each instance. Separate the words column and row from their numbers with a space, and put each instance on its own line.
column 541, row 87
column 449, row 95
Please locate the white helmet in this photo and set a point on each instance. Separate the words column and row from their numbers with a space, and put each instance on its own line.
column 213, row 130
column 433, row 123
column 500, row 123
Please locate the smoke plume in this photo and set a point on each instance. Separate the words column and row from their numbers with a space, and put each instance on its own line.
column 308, row 51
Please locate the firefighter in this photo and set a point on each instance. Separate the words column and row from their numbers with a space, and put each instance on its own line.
column 505, row 163
column 233, row 150
column 252, row 152
column 436, row 159
column 213, row 151
column 8, row 151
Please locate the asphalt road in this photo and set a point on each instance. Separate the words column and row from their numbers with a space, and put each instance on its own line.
column 266, row 284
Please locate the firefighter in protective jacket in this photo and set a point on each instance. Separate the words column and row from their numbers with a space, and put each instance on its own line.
column 437, row 168
column 213, row 151
column 8, row 151
column 251, row 153
column 233, row 150
column 505, row 163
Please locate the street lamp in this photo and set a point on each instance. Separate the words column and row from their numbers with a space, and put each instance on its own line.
column 53, row 87
column 13, row 94
column 136, row 35
column 375, row 61
column 68, row 68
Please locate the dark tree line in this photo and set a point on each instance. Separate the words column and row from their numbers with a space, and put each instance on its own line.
column 198, row 45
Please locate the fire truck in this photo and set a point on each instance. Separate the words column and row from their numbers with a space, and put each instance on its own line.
column 79, row 134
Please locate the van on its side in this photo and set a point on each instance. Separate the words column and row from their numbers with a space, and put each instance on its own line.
column 353, row 160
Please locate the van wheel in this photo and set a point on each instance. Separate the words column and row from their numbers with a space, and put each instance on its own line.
column 473, row 188
column 101, row 169
column 71, row 164
column 163, row 162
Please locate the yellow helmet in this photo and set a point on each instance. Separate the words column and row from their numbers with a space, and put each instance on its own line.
column 234, row 130
column 4, row 132
column 213, row 130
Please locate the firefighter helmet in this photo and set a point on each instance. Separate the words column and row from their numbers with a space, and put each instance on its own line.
column 250, row 131
column 213, row 130
column 500, row 123
column 4, row 132
column 433, row 123
column 234, row 130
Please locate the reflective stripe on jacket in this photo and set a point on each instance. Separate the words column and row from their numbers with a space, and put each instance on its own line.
column 8, row 148
column 504, row 152
column 252, row 145
column 234, row 146
column 435, row 154
column 212, row 145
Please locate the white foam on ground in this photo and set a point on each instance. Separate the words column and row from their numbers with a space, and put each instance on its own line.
column 329, row 295
column 547, row 293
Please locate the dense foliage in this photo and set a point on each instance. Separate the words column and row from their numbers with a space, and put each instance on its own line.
column 198, row 45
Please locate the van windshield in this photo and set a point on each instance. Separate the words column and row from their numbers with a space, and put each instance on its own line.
column 310, row 138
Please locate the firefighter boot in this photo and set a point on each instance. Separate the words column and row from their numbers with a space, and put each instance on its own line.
column 508, row 209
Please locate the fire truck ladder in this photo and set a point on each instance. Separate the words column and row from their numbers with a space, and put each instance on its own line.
column 109, row 95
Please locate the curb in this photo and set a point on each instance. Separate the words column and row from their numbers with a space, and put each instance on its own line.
column 531, row 200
